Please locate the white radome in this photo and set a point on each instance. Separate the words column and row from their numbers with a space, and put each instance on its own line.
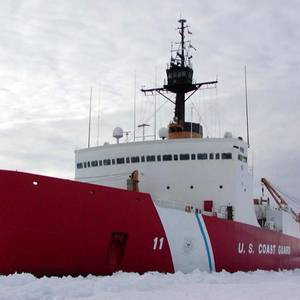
column 163, row 133
column 118, row 133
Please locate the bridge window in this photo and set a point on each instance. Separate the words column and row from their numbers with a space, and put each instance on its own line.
column 113, row 161
column 227, row 155
column 158, row 157
column 135, row 159
column 150, row 157
column 142, row 158
column 185, row 156
column 175, row 156
column 79, row 166
column 193, row 156
column 202, row 156
column 84, row 164
column 167, row 157
column 211, row 156
column 127, row 160
column 217, row 155
column 120, row 160
column 94, row 163
column 100, row 162
column 88, row 164
column 106, row 162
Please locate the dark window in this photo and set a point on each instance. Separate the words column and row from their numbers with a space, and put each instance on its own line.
column 142, row 158
column 150, row 157
column 244, row 158
column 135, row 159
column 240, row 157
column 226, row 155
column 175, row 156
column 127, row 160
column 202, row 156
column 158, row 157
column 120, row 160
column 167, row 157
column 217, row 155
column 193, row 156
column 79, row 166
column 84, row 164
column 113, row 161
column 100, row 162
column 211, row 156
column 88, row 164
column 242, row 149
column 106, row 162
column 94, row 163
column 184, row 156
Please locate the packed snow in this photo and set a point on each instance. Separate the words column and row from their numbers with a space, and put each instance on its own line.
column 130, row 286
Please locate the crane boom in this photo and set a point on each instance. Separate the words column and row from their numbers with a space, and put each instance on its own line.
column 282, row 204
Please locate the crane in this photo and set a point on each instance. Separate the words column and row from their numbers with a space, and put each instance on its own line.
column 282, row 204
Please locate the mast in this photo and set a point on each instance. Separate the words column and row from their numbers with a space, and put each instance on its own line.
column 134, row 107
column 180, row 81
column 247, row 115
column 90, row 117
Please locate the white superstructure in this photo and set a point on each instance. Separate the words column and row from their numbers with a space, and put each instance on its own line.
column 178, row 173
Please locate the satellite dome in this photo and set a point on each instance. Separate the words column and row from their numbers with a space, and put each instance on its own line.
column 163, row 133
column 118, row 133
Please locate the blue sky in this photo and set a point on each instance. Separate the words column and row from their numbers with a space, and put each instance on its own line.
column 52, row 52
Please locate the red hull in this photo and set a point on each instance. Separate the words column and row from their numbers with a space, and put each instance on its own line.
column 52, row 226
column 60, row 227
column 242, row 247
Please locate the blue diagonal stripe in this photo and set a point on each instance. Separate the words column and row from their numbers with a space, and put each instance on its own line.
column 205, row 242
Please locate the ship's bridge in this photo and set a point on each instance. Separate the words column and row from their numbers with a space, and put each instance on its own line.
column 176, row 172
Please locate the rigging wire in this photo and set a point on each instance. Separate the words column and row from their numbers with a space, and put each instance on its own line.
column 104, row 176
column 201, row 121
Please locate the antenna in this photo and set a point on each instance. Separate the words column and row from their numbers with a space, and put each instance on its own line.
column 126, row 134
column 191, row 120
column 155, row 83
column 90, row 116
column 143, row 126
column 98, row 121
column 134, row 107
column 246, row 99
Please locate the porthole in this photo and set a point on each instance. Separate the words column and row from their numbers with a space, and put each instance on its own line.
column 220, row 186
column 168, row 187
column 191, row 187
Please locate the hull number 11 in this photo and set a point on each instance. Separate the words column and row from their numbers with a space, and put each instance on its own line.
column 158, row 243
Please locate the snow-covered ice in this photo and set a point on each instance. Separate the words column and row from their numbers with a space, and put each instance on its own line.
column 130, row 286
